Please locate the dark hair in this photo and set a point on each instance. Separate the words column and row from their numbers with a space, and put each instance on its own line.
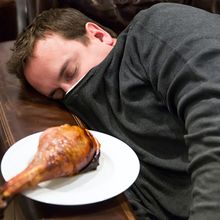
column 67, row 22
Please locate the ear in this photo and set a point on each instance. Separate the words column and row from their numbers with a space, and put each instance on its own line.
column 94, row 31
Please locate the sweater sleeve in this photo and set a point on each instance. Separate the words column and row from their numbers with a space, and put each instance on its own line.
column 193, row 95
column 180, row 51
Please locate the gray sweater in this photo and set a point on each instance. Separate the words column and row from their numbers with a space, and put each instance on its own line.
column 159, row 91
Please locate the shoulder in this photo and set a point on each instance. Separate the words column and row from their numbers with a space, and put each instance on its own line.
column 171, row 10
column 171, row 20
column 170, row 13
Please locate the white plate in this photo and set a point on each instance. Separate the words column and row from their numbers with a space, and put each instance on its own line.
column 118, row 169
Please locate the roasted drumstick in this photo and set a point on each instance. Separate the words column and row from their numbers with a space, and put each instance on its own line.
column 62, row 151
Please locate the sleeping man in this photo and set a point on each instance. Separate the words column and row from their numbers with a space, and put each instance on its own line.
column 156, row 87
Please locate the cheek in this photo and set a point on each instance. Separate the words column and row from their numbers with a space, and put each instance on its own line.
column 86, row 67
column 89, row 61
column 96, row 60
column 82, row 74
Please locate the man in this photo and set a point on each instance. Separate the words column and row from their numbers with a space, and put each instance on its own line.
column 157, row 88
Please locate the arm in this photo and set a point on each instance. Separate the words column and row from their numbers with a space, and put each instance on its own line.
column 183, row 65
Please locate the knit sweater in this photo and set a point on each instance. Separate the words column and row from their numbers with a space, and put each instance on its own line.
column 159, row 91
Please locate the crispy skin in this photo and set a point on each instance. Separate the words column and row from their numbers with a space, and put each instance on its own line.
column 62, row 151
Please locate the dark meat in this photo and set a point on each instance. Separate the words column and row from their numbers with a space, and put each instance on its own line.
column 62, row 151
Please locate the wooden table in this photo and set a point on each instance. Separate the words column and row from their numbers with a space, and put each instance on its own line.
column 23, row 112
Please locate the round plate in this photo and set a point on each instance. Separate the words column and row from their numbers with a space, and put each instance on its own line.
column 118, row 169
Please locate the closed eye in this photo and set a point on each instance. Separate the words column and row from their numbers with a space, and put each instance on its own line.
column 69, row 76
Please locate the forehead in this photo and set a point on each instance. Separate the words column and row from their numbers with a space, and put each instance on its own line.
column 48, row 56
column 52, row 42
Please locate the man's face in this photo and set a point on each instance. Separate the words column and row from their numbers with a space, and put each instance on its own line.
column 57, row 63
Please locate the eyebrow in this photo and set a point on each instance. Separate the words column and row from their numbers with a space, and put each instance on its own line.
column 60, row 75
